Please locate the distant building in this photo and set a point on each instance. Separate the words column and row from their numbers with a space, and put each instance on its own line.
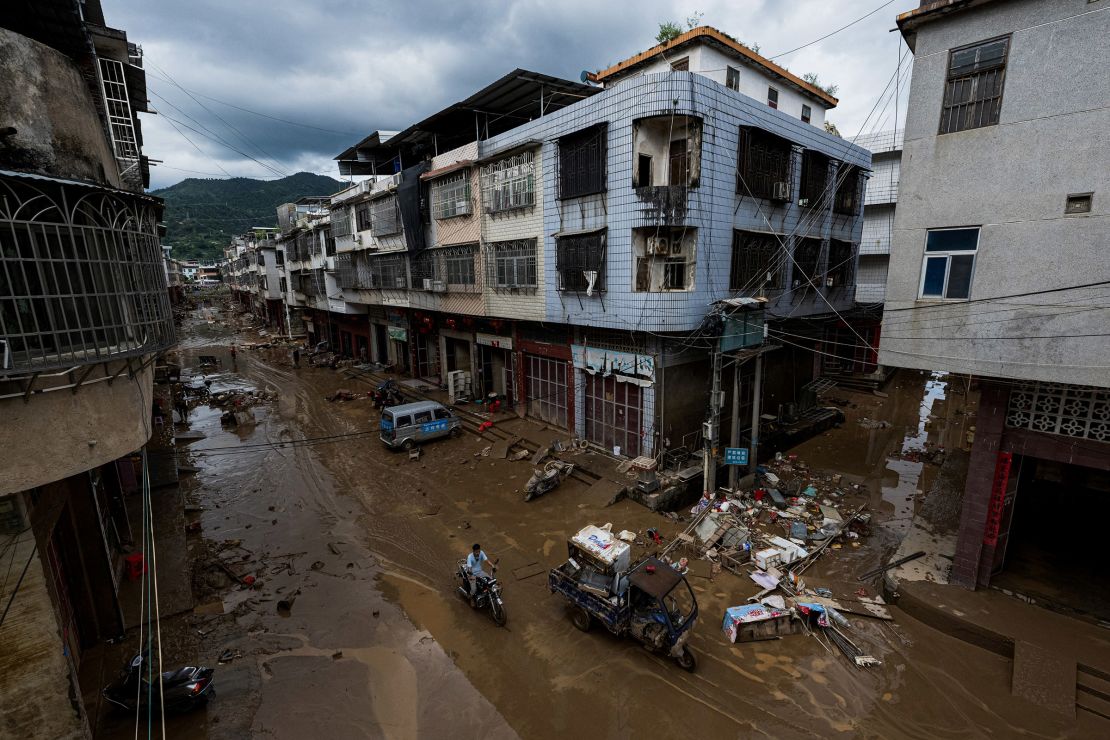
column 879, row 203
column 999, row 269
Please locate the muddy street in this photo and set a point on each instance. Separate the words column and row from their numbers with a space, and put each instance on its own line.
column 352, row 627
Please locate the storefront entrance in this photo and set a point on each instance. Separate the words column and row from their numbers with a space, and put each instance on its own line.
column 614, row 414
column 547, row 389
column 497, row 372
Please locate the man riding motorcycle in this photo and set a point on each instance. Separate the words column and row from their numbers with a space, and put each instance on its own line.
column 474, row 569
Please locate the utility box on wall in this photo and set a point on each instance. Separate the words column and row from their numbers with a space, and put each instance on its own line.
column 742, row 329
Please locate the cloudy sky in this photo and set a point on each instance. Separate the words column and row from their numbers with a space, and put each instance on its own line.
column 340, row 69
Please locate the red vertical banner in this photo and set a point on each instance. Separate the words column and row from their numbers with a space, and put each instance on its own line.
column 998, row 498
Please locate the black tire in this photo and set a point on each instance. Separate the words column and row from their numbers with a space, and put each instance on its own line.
column 687, row 661
column 582, row 619
column 456, row 433
column 407, row 445
column 497, row 611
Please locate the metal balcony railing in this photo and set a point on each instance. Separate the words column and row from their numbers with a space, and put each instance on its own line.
column 81, row 275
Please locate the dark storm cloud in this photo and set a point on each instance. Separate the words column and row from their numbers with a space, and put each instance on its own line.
column 353, row 67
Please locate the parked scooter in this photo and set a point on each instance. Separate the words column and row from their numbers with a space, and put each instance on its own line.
column 182, row 690
column 387, row 394
column 488, row 592
column 547, row 478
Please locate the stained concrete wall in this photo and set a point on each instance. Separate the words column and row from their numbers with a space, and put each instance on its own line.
column 35, row 680
column 45, row 97
column 50, row 436
column 1011, row 180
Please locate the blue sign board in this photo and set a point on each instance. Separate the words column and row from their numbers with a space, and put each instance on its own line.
column 736, row 456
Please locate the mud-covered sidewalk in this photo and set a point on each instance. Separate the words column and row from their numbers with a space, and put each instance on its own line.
column 352, row 628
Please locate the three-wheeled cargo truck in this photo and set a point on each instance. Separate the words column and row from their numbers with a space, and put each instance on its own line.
column 649, row 601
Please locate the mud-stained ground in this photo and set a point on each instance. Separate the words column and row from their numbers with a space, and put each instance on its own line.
column 360, row 544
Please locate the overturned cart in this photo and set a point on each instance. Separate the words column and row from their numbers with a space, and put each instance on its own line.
column 650, row 602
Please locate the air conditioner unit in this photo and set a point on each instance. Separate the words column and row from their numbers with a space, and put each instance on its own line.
column 781, row 191
column 439, row 286
column 358, row 238
column 428, row 283
column 676, row 247
column 659, row 245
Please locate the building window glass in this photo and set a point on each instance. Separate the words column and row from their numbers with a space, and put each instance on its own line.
column 949, row 262
column 842, row 263
column 362, row 218
column 681, row 65
column 732, row 78
column 807, row 261
column 973, row 90
column 807, row 114
column 580, row 262
column 765, row 165
column 451, row 196
column 513, row 264
column 509, row 183
column 772, row 97
column 664, row 258
column 582, row 162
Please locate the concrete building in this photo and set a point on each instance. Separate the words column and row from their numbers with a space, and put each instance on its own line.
column 84, row 310
column 879, row 203
column 568, row 263
column 999, row 271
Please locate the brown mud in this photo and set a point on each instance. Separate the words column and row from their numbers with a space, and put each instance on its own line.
column 376, row 643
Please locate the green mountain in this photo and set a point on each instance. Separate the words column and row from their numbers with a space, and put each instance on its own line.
column 202, row 214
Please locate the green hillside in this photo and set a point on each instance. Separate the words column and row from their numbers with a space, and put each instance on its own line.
column 202, row 215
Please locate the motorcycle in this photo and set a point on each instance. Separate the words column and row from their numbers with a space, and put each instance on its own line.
column 182, row 690
column 488, row 592
column 547, row 478
column 388, row 394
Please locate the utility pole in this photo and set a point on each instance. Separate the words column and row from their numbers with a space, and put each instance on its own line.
column 711, row 427
column 757, row 408
column 734, row 441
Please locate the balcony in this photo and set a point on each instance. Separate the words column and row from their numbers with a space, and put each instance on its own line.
column 82, row 279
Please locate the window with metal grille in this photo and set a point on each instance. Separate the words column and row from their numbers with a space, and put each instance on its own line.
column 459, row 264
column 756, row 262
column 391, row 272
column 426, row 270
column 807, row 259
column 842, row 264
column 973, row 90
column 79, row 283
column 283, row 284
column 451, row 196
column 766, row 165
column 509, row 183
column 118, row 106
column 386, row 217
column 345, row 270
column 681, row 65
column 513, row 264
column 362, row 217
column 807, row 114
column 949, row 263
column 341, row 221
column 582, row 162
column 849, row 185
column 772, row 97
column 815, row 174
column 329, row 243
column 580, row 262
column 279, row 258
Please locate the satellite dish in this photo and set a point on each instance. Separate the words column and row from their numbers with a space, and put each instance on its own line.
column 585, row 76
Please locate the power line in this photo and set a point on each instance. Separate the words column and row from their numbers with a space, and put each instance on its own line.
column 1026, row 294
column 257, row 113
column 833, row 33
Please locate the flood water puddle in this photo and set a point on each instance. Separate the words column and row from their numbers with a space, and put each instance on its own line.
column 908, row 468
